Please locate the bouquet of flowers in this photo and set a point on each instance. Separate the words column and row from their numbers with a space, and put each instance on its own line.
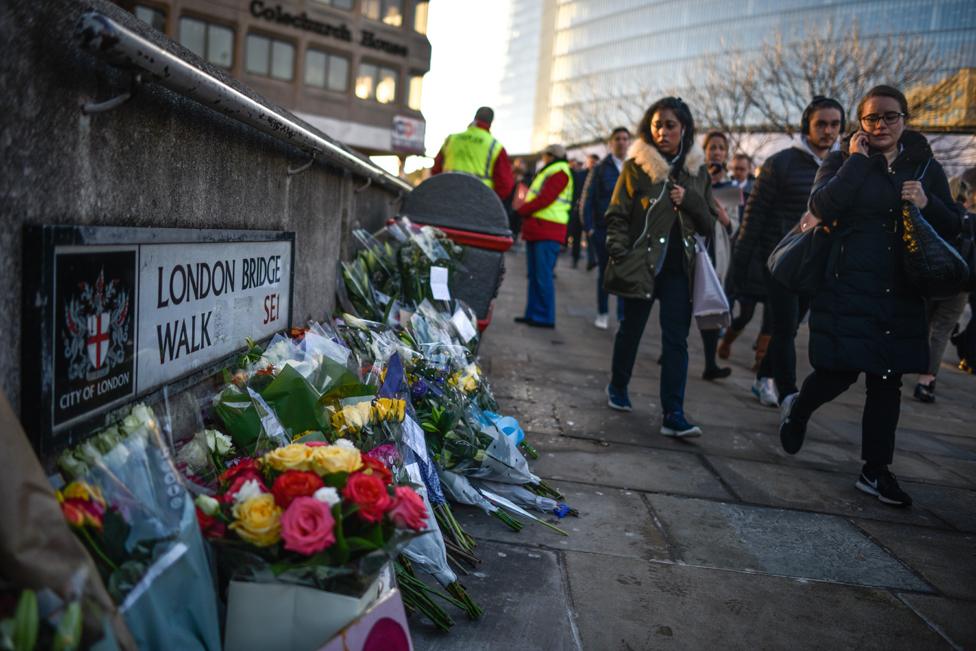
column 124, row 500
column 311, row 513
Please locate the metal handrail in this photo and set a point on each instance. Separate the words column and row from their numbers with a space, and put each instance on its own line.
column 122, row 47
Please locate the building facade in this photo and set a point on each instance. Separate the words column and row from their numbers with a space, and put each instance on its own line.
column 628, row 50
column 352, row 68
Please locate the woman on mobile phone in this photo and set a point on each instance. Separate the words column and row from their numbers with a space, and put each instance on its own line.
column 866, row 318
column 662, row 199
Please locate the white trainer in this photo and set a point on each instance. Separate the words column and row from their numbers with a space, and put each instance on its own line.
column 764, row 388
column 602, row 321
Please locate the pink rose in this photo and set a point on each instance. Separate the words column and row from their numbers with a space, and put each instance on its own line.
column 307, row 526
column 409, row 511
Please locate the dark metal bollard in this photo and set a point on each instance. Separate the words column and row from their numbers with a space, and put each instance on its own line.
column 473, row 217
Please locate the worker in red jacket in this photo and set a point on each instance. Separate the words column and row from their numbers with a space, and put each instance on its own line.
column 545, row 214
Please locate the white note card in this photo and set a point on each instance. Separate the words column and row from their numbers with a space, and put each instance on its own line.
column 438, row 283
column 463, row 326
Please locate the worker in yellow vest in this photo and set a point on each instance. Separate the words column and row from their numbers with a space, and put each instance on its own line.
column 545, row 215
column 476, row 152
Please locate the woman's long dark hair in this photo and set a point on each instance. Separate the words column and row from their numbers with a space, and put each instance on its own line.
column 683, row 113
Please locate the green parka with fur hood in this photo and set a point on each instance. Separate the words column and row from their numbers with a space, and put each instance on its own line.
column 643, row 179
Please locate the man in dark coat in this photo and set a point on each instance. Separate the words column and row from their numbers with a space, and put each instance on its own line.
column 776, row 203
column 593, row 204
column 866, row 317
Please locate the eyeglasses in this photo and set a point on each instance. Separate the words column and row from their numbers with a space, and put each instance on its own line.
column 872, row 120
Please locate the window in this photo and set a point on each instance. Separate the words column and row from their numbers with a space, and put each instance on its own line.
column 376, row 82
column 269, row 57
column 215, row 43
column 155, row 18
column 338, row 4
column 420, row 16
column 324, row 70
column 414, row 94
column 387, row 11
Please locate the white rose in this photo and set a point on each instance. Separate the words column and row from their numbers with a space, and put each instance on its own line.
column 194, row 454
column 217, row 442
column 345, row 444
column 328, row 495
column 207, row 504
column 250, row 488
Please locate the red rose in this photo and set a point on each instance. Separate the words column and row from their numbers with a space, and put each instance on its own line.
column 244, row 466
column 239, row 481
column 211, row 526
column 294, row 483
column 369, row 493
column 376, row 467
column 409, row 510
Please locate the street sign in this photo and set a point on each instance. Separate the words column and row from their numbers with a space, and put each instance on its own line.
column 112, row 314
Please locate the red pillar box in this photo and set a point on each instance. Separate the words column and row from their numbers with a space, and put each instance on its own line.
column 474, row 218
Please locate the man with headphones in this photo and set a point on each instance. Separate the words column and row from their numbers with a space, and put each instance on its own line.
column 777, row 202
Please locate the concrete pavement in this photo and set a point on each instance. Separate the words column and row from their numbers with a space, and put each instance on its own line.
column 723, row 541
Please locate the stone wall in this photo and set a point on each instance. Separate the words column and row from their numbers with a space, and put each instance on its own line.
column 158, row 160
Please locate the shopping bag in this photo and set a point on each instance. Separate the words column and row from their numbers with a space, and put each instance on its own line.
column 709, row 303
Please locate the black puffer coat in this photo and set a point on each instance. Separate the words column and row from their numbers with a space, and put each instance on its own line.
column 777, row 202
column 866, row 317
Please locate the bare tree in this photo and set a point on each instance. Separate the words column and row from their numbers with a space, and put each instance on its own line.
column 599, row 105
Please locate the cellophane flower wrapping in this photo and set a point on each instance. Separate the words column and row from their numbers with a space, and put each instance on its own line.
column 127, row 503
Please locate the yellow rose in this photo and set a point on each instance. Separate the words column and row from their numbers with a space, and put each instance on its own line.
column 258, row 520
column 291, row 457
column 327, row 459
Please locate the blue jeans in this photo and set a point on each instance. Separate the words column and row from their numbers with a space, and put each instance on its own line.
column 541, row 303
column 672, row 290
column 598, row 243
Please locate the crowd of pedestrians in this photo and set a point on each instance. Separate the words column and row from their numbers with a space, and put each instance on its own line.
column 657, row 199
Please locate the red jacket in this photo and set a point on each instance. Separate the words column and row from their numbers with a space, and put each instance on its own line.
column 501, row 176
column 534, row 229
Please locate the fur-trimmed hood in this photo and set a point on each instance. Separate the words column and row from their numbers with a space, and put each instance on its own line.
column 649, row 159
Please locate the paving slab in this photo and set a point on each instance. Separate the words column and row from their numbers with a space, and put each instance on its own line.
column 952, row 617
column 612, row 521
column 627, row 605
column 525, row 603
column 636, row 468
column 957, row 506
column 813, row 490
column 777, row 541
column 946, row 559
column 725, row 441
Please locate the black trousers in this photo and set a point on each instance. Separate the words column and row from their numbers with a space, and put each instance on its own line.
column 881, row 408
column 785, row 311
column 747, row 307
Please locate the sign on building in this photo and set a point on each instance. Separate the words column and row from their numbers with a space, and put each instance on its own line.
column 408, row 134
column 113, row 314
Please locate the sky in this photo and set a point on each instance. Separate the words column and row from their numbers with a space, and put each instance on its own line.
column 468, row 40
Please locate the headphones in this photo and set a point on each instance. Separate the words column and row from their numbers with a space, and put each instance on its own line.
column 819, row 102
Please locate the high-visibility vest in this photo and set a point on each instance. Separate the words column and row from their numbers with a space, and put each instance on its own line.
column 472, row 152
column 558, row 210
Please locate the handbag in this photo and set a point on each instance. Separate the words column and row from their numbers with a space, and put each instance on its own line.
column 932, row 265
column 709, row 304
column 799, row 261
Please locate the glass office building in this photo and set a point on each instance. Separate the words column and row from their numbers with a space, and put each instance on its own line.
column 631, row 45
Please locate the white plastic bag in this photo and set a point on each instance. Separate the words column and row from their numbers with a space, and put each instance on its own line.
column 709, row 304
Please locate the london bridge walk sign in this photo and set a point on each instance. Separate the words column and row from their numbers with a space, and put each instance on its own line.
column 113, row 314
